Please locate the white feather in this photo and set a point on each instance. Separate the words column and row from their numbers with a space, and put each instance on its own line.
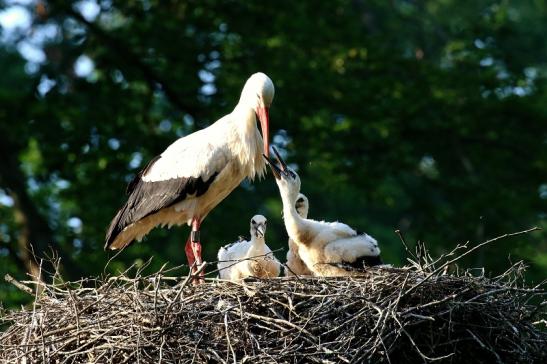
column 248, row 258
column 231, row 147
column 321, row 245
column 350, row 249
column 197, row 155
column 209, row 150
column 294, row 264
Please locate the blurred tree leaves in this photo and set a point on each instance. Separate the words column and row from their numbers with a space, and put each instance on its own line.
column 427, row 116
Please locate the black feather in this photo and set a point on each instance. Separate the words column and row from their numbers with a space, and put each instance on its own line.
column 146, row 198
column 367, row 261
column 135, row 181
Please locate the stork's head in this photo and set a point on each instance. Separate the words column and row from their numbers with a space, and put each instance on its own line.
column 302, row 205
column 258, row 94
column 258, row 226
column 287, row 179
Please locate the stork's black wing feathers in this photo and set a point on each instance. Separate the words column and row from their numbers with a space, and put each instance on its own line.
column 367, row 261
column 135, row 181
column 146, row 198
column 361, row 263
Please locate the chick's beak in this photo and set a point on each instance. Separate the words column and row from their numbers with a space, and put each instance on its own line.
column 275, row 169
column 260, row 230
column 279, row 159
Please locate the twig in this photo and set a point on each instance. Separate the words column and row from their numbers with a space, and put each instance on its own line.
column 8, row 278
column 467, row 252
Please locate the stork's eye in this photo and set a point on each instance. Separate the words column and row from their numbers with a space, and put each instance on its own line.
column 253, row 222
column 300, row 200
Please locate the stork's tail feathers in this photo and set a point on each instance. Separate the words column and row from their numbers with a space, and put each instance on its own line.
column 123, row 230
column 114, row 240
column 120, row 233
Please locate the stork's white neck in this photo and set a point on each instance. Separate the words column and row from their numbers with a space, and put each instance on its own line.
column 247, row 144
column 258, row 247
column 294, row 223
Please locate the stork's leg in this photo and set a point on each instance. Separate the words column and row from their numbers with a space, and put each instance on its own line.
column 189, row 252
column 194, row 252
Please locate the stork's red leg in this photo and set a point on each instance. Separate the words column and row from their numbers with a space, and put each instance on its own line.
column 189, row 251
column 195, row 245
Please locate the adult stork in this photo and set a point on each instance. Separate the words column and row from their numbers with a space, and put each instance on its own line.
column 196, row 172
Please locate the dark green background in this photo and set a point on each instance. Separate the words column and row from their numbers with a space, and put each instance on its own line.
column 424, row 116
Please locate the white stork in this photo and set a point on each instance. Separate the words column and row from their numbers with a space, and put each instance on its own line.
column 252, row 258
column 295, row 265
column 196, row 172
column 327, row 248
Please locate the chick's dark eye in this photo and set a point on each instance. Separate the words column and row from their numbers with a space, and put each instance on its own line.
column 300, row 200
column 253, row 222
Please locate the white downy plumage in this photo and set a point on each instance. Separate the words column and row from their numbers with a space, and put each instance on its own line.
column 295, row 265
column 198, row 171
column 327, row 248
column 251, row 258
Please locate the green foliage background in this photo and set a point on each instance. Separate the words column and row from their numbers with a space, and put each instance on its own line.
column 424, row 116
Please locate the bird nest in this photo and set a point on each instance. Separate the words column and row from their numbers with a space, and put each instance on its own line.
column 420, row 313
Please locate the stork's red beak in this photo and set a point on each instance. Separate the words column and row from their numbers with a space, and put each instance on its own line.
column 264, row 117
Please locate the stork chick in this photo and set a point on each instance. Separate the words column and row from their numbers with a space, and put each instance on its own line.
column 295, row 265
column 327, row 248
column 249, row 258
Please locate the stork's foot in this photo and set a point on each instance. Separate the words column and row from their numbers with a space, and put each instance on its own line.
column 193, row 255
column 198, row 270
column 193, row 252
